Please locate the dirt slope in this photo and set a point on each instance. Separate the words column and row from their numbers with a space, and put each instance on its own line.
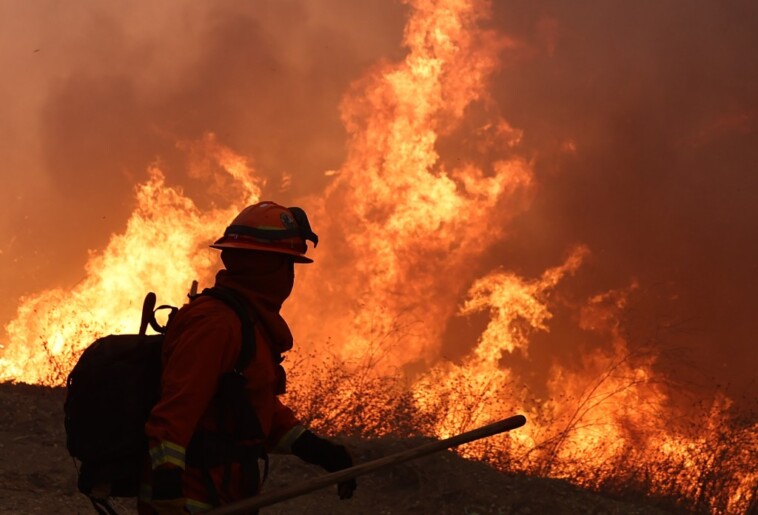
column 37, row 476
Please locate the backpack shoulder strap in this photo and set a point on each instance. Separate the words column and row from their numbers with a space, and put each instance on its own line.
column 237, row 303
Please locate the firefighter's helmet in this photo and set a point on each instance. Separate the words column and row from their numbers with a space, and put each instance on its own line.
column 269, row 227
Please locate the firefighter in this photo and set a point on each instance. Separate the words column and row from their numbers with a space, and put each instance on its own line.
column 194, row 463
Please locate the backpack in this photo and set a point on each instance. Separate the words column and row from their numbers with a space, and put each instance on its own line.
column 111, row 391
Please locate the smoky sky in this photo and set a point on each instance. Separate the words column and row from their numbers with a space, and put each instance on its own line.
column 660, row 100
column 93, row 93
column 639, row 117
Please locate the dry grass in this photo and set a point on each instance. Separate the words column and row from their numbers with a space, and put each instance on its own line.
column 714, row 471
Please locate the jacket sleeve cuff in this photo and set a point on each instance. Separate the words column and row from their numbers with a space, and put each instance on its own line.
column 284, row 446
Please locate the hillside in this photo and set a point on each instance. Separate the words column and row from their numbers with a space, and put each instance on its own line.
column 37, row 476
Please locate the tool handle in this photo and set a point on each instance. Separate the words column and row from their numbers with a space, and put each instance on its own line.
column 394, row 459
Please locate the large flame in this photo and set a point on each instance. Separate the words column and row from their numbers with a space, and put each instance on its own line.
column 162, row 249
column 409, row 225
column 403, row 233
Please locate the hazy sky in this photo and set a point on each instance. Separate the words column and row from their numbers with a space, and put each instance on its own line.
column 641, row 119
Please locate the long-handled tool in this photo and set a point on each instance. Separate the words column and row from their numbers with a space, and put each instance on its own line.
column 388, row 461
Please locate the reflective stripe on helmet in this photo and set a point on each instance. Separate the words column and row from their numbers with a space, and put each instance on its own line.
column 261, row 233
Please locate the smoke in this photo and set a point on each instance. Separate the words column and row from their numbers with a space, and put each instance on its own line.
column 93, row 93
column 640, row 119
column 644, row 121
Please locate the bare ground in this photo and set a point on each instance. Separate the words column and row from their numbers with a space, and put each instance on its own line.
column 37, row 476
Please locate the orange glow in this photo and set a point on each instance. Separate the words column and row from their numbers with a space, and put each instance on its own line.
column 409, row 245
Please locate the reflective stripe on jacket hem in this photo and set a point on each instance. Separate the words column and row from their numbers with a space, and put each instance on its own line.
column 195, row 506
column 192, row 505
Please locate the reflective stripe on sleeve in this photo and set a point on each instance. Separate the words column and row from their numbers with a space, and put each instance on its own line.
column 285, row 444
column 168, row 452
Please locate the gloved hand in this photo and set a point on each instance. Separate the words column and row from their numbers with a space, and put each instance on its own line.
column 329, row 456
column 168, row 498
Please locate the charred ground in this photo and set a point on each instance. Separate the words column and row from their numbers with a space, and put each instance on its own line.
column 38, row 476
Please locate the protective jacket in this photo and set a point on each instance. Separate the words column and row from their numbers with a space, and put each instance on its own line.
column 202, row 343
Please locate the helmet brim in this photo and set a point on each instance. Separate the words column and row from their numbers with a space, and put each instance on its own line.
column 246, row 245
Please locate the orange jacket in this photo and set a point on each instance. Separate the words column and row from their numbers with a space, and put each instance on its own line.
column 202, row 343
